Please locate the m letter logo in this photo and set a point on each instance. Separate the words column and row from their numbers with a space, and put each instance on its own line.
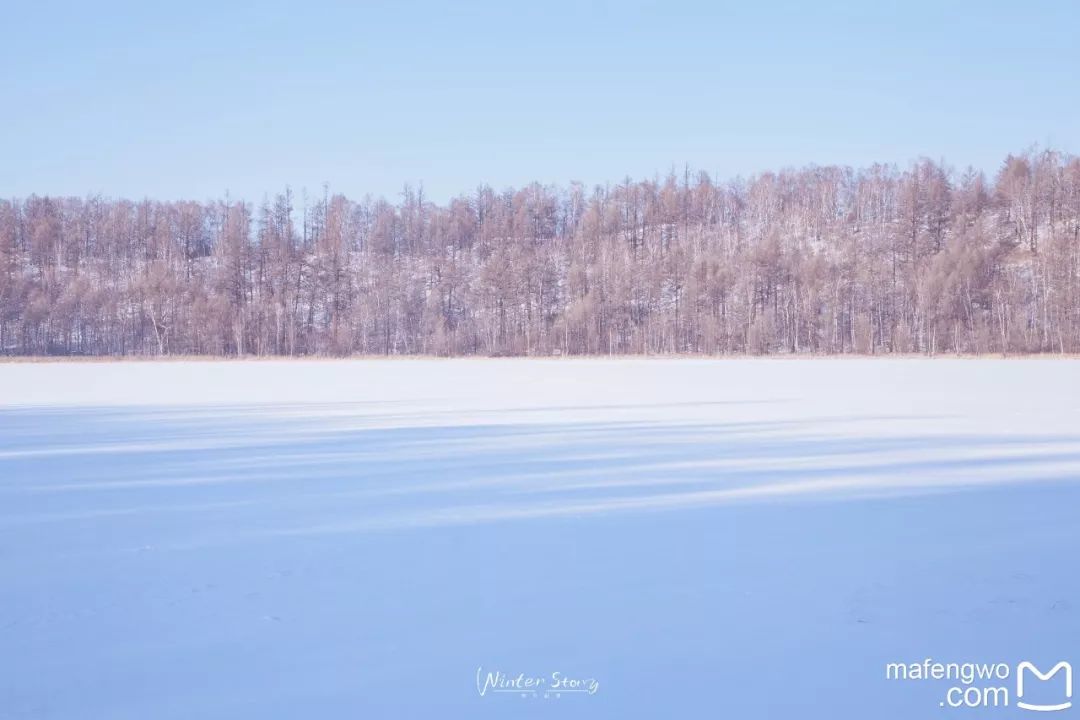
column 1025, row 666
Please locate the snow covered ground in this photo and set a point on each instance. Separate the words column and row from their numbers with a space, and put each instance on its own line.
column 359, row 539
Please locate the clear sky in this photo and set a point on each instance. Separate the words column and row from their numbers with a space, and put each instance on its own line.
column 190, row 99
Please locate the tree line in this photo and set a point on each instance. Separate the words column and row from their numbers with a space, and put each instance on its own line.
column 922, row 259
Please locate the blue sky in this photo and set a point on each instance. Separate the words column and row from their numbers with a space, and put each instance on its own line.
column 189, row 100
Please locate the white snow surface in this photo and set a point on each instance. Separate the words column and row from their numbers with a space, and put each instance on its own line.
column 355, row 539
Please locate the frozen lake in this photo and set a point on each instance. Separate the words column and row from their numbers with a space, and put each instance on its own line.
column 356, row 539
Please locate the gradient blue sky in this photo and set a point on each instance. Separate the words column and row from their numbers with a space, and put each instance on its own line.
column 188, row 100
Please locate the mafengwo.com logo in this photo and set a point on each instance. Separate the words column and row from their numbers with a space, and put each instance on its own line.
column 1024, row 685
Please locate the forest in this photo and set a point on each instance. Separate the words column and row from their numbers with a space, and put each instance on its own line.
column 819, row 260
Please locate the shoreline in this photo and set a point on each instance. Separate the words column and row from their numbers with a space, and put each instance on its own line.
column 104, row 359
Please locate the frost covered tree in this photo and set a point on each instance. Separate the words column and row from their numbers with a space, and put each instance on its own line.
column 922, row 259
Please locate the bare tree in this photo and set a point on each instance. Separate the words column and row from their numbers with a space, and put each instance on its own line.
column 819, row 260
